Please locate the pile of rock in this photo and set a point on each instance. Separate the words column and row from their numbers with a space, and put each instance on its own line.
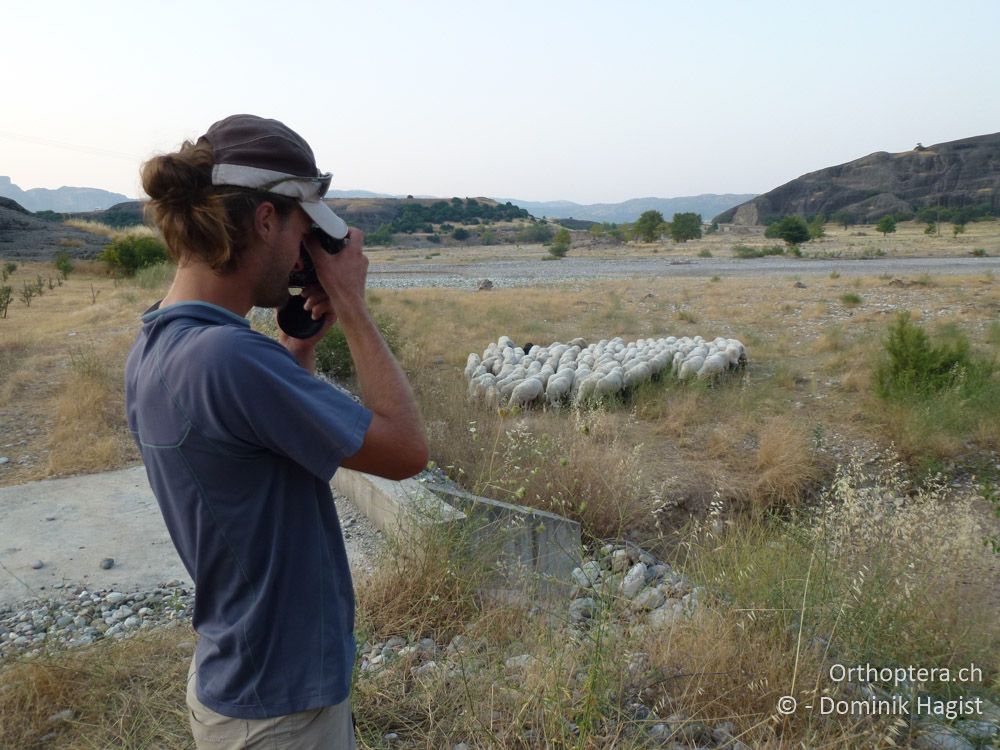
column 632, row 576
column 86, row 616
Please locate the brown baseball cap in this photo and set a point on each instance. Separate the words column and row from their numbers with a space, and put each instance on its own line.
column 263, row 154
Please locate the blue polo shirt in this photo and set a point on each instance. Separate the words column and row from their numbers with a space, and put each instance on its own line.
column 240, row 444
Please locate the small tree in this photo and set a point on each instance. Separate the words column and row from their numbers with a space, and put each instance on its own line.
column 649, row 226
column 461, row 234
column 6, row 295
column 957, row 228
column 27, row 292
column 685, row 226
column 64, row 265
column 560, row 243
column 792, row 229
column 886, row 225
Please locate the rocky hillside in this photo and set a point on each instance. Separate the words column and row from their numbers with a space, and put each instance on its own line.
column 952, row 175
column 23, row 235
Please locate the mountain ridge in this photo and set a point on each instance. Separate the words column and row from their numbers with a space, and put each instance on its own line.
column 955, row 174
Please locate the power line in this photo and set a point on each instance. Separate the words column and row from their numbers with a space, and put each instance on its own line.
column 69, row 146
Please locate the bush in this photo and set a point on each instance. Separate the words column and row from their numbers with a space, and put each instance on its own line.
column 851, row 299
column 745, row 251
column 461, row 234
column 64, row 265
column 915, row 366
column 6, row 295
column 128, row 254
column 704, row 253
column 560, row 244
column 333, row 356
column 381, row 236
column 792, row 229
column 537, row 232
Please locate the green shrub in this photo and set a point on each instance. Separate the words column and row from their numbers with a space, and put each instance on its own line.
column 745, row 251
column 64, row 265
column 792, row 229
column 704, row 253
column 461, row 234
column 6, row 295
column 979, row 253
column 850, row 299
column 381, row 236
column 537, row 231
column 333, row 356
column 916, row 366
column 128, row 254
column 560, row 244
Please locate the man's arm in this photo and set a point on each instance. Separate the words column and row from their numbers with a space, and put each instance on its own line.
column 395, row 445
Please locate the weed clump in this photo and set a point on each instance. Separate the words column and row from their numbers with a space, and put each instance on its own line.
column 917, row 367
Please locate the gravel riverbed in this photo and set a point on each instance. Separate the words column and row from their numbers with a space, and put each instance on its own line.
column 519, row 273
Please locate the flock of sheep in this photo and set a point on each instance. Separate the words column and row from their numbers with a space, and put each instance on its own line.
column 578, row 373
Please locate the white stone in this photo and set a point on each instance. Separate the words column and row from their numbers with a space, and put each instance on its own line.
column 634, row 580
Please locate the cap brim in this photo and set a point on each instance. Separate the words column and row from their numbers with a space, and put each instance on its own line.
column 325, row 219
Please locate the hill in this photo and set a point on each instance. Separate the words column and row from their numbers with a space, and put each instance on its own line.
column 963, row 174
column 63, row 200
column 707, row 205
column 26, row 236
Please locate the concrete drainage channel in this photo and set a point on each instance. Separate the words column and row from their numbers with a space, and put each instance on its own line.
column 533, row 551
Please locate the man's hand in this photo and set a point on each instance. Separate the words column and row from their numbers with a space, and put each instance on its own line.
column 304, row 350
column 342, row 275
column 395, row 445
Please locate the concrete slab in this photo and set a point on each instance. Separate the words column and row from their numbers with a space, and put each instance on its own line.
column 112, row 514
column 394, row 507
column 535, row 551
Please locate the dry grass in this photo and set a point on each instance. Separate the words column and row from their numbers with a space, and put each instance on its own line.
column 639, row 469
column 786, row 463
column 61, row 364
column 112, row 233
column 127, row 694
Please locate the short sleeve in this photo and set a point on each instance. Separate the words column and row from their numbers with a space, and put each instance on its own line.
column 258, row 395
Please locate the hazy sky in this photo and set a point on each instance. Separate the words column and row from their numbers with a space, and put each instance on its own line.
column 584, row 101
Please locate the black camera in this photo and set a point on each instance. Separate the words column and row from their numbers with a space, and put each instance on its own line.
column 293, row 318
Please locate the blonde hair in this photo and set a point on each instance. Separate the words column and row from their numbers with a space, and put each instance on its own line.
column 212, row 223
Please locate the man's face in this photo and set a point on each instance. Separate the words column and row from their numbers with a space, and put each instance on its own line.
column 278, row 258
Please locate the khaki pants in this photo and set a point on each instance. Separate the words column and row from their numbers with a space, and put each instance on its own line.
column 329, row 728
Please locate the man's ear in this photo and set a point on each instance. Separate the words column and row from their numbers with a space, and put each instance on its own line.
column 265, row 220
